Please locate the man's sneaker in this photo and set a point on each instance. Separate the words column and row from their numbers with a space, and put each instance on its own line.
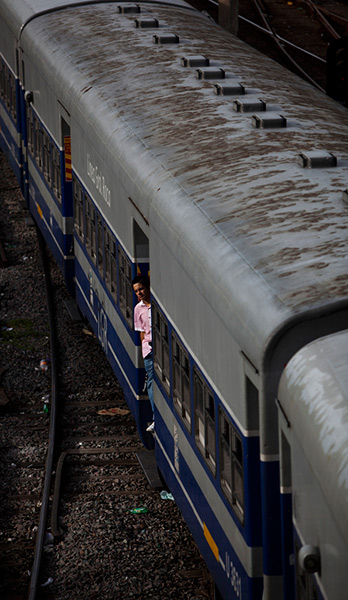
column 151, row 428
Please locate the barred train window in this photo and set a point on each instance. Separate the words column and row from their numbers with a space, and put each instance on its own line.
column 110, row 262
column 90, row 229
column 12, row 96
column 56, row 178
column 204, row 420
column 78, row 208
column 2, row 79
column 126, row 290
column 30, row 130
column 181, row 381
column 160, row 339
column 100, row 246
column 38, row 142
column 8, row 89
column 47, row 163
column 231, row 464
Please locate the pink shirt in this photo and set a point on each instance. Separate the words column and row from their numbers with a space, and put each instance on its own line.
column 142, row 322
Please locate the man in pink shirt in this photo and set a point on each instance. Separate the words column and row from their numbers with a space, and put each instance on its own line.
column 142, row 323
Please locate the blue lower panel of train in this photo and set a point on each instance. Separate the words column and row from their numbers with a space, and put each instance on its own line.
column 220, row 556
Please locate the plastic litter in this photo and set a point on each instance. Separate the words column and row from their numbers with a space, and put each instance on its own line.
column 139, row 511
column 45, row 409
column 166, row 495
column 49, row 580
column 43, row 365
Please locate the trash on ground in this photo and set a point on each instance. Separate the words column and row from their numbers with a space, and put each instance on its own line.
column 49, row 580
column 43, row 365
column 113, row 411
column 139, row 511
column 166, row 495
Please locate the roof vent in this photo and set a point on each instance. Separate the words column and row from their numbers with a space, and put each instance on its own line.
column 268, row 121
column 316, row 159
column 146, row 23
column 129, row 8
column 228, row 89
column 249, row 105
column 210, row 73
column 195, row 61
column 345, row 196
column 169, row 38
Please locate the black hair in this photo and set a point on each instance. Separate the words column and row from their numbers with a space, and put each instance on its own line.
column 145, row 281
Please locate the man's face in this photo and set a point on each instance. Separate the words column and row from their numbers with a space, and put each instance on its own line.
column 141, row 292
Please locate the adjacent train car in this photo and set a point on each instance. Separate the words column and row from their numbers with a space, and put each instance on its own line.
column 313, row 417
column 153, row 141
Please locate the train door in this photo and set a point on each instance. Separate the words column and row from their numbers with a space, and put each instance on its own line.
column 142, row 265
column 66, row 195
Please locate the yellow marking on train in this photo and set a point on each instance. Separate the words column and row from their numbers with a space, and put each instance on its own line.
column 39, row 210
column 212, row 544
column 67, row 154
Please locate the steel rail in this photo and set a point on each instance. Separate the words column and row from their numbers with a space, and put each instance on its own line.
column 282, row 49
column 317, row 11
column 53, row 419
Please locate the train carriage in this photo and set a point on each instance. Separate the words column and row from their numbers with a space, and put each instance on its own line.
column 156, row 142
column 313, row 414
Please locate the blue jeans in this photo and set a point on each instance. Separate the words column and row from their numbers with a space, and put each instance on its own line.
column 148, row 362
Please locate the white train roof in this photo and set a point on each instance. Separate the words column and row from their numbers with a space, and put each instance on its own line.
column 314, row 395
column 237, row 196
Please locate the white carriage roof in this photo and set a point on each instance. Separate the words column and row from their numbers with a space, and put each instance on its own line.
column 314, row 395
column 286, row 222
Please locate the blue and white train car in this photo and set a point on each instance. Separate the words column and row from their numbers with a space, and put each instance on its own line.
column 156, row 142
column 313, row 419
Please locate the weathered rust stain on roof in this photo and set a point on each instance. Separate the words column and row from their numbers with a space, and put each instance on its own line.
column 246, row 181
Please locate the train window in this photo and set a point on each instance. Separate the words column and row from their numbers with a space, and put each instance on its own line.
column 204, row 420
column 231, row 464
column 56, row 173
column 78, row 209
column 160, row 340
column 110, row 262
column 181, row 381
column 47, row 163
column 100, row 244
column 90, row 237
column 6, row 87
column 2, row 79
column 38, row 142
column 30, row 130
column 125, row 282
column 12, row 96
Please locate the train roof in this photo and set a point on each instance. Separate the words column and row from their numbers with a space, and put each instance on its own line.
column 313, row 393
column 261, row 208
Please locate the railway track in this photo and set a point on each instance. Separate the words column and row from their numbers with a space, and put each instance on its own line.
column 295, row 33
column 96, row 542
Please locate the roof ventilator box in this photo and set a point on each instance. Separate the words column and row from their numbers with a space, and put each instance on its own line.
column 146, row 23
column 249, row 105
column 210, row 73
column 268, row 121
column 169, row 38
column 126, row 9
column 317, row 159
column 195, row 61
column 228, row 89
